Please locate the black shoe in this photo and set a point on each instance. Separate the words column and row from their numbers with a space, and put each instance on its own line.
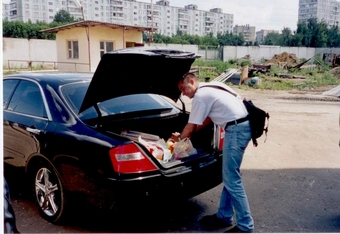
column 236, row 230
column 212, row 221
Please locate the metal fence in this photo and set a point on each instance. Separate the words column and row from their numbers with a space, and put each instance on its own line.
column 37, row 65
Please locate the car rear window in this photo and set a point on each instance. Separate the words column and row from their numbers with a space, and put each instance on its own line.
column 136, row 103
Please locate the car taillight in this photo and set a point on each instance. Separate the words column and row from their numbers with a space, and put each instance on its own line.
column 221, row 138
column 130, row 159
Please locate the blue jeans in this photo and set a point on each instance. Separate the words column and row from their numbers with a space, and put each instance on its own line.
column 234, row 198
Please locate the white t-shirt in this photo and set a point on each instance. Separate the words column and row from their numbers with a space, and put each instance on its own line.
column 219, row 105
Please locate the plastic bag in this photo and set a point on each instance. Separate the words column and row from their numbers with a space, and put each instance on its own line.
column 158, row 149
column 183, row 148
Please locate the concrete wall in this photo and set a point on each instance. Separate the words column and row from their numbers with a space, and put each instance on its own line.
column 23, row 50
column 258, row 53
column 189, row 48
column 18, row 52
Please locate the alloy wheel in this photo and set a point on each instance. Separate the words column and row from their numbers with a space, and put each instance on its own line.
column 47, row 191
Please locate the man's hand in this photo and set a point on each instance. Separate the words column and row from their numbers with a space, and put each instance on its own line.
column 175, row 137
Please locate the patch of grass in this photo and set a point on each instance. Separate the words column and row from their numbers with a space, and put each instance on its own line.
column 326, row 78
column 275, row 83
column 317, row 76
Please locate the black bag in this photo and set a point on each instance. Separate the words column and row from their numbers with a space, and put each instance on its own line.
column 257, row 117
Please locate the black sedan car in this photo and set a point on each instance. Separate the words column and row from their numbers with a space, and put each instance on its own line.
column 73, row 135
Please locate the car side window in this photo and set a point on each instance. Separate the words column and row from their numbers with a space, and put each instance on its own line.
column 8, row 88
column 27, row 99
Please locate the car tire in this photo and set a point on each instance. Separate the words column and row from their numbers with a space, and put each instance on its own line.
column 48, row 191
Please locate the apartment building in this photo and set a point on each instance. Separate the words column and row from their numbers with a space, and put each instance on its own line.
column 322, row 10
column 247, row 31
column 159, row 15
column 261, row 35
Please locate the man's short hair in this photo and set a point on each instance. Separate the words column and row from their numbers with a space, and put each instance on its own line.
column 188, row 75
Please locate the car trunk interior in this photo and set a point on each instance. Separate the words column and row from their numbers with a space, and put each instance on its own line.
column 202, row 140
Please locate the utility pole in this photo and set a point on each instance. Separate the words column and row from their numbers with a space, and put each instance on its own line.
column 151, row 35
column 87, row 31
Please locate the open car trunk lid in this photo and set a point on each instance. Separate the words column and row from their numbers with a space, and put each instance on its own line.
column 138, row 70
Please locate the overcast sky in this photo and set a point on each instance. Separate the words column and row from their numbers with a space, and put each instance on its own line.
column 263, row 14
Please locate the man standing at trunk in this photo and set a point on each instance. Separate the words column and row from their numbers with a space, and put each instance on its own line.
column 229, row 112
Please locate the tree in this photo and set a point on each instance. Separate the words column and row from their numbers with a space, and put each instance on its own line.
column 228, row 39
column 286, row 37
column 306, row 35
column 296, row 40
column 333, row 36
column 272, row 38
column 209, row 40
column 319, row 36
column 63, row 16
column 29, row 30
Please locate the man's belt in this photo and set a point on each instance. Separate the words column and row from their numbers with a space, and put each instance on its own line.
column 236, row 121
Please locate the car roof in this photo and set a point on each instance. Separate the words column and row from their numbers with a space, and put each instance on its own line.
column 53, row 78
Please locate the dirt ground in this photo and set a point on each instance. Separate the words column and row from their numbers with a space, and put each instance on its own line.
column 293, row 179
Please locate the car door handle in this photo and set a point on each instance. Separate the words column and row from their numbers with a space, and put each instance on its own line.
column 33, row 130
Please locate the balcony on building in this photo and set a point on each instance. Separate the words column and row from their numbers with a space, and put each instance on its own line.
column 209, row 20
column 116, row 3
column 183, row 11
column 183, row 17
column 209, row 25
column 117, row 9
column 191, row 7
column 163, row 3
column 216, row 10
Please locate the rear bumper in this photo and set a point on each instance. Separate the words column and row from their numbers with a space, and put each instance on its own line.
column 183, row 186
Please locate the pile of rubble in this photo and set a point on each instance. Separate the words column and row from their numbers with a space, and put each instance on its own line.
column 336, row 72
column 284, row 60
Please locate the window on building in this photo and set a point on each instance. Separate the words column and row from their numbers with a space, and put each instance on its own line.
column 73, row 49
column 105, row 46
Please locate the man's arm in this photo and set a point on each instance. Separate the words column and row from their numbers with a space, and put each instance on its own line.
column 205, row 123
column 189, row 129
